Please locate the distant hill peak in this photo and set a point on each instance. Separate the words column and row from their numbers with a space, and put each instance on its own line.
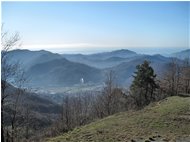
column 124, row 50
column 183, row 51
column 117, row 52
column 182, row 54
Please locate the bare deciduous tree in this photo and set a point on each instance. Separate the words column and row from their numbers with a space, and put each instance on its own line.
column 186, row 76
column 108, row 91
column 112, row 99
column 11, row 73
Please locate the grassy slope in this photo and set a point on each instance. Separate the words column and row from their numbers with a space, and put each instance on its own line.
column 167, row 119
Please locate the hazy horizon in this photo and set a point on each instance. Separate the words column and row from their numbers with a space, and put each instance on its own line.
column 149, row 51
column 88, row 27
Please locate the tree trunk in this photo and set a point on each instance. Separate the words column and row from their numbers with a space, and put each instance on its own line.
column 2, row 121
column 2, row 114
column 146, row 96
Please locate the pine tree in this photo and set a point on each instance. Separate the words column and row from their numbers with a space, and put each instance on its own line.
column 144, row 84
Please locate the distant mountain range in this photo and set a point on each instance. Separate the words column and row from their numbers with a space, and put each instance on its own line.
column 102, row 60
column 63, row 72
column 29, row 58
column 49, row 69
column 125, row 70
column 182, row 55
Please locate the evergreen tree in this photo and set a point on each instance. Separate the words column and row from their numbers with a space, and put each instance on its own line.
column 144, row 84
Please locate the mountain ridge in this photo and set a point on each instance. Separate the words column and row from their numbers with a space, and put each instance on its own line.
column 51, row 69
column 63, row 72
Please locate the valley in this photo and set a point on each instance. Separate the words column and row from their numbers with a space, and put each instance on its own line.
column 50, row 72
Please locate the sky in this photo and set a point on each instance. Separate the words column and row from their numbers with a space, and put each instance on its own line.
column 93, row 26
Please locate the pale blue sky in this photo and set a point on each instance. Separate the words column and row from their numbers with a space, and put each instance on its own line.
column 93, row 25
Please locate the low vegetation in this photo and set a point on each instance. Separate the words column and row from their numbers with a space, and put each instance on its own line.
column 165, row 120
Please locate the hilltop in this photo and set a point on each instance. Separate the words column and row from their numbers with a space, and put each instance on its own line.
column 166, row 120
column 182, row 54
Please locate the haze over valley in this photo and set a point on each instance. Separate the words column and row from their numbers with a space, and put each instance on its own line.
column 53, row 73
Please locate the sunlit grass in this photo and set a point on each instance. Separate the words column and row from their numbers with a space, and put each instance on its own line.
column 168, row 118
